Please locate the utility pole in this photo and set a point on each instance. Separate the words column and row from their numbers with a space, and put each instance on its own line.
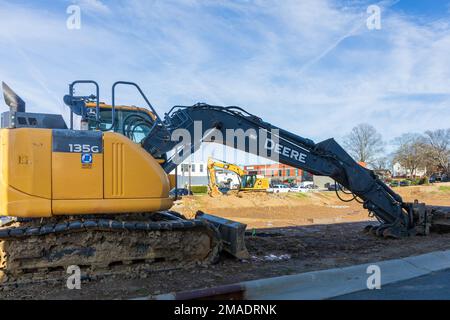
column 176, row 183
column 190, row 184
column 183, row 180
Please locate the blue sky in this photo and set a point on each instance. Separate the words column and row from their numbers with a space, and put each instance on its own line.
column 308, row 66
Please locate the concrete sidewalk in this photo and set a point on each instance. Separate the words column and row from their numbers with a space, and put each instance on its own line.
column 323, row 284
column 433, row 286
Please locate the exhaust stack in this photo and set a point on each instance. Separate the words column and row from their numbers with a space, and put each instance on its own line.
column 15, row 103
column 17, row 117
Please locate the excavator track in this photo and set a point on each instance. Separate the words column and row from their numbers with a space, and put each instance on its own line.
column 39, row 249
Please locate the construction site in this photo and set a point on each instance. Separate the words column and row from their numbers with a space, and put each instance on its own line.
column 102, row 200
column 338, row 185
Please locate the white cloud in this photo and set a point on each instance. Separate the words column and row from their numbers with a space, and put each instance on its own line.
column 93, row 6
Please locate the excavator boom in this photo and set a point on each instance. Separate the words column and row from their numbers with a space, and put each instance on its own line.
column 235, row 127
column 184, row 128
column 213, row 189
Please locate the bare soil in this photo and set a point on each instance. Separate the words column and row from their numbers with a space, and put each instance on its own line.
column 289, row 234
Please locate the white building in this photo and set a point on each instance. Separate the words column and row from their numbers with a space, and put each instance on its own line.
column 399, row 171
column 197, row 173
column 323, row 182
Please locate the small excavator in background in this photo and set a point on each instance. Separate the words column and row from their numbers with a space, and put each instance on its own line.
column 248, row 181
column 98, row 196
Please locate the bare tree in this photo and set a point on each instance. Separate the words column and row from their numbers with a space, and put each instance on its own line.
column 412, row 152
column 439, row 142
column 381, row 163
column 364, row 143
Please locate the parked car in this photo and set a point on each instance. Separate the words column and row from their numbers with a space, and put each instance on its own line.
column 405, row 183
column 278, row 188
column 180, row 192
column 307, row 184
column 332, row 187
column 394, row 183
column 296, row 188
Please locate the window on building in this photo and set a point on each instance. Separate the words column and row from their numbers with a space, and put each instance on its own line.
column 296, row 172
column 280, row 173
column 288, row 172
column 184, row 168
column 201, row 168
column 193, row 167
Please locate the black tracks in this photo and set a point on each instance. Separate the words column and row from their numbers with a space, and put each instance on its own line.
column 99, row 224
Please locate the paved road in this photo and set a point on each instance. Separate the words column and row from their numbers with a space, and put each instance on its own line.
column 435, row 286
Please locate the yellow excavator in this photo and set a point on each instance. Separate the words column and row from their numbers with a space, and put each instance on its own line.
column 248, row 181
column 98, row 196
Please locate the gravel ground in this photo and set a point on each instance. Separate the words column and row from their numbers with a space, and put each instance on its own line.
column 289, row 234
column 275, row 252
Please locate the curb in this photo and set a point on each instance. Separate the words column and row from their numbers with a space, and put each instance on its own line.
column 318, row 285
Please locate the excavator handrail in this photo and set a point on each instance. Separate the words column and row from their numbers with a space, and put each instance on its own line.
column 97, row 97
column 133, row 84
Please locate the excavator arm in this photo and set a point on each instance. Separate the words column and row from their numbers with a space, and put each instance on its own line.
column 183, row 130
column 212, row 165
column 212, row 183
column 227, row 166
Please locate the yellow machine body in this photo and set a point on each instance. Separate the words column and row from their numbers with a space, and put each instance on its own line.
column 47, row 172
column 254, row 183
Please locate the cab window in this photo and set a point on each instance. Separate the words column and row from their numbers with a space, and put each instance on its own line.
column 136, row 133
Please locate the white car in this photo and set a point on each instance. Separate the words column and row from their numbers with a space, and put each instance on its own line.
column 298, row 189
column 307, row 184
column 279, row 188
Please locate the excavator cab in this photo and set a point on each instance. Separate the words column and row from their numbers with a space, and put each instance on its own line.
column 124, row 120
column 253, row 182
column 248, row 181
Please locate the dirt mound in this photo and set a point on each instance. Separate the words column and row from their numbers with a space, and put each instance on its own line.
column 262, row 210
